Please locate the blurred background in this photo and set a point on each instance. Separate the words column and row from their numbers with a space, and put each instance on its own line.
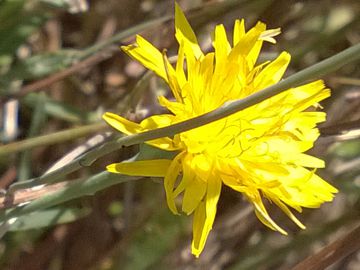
column 61, row 68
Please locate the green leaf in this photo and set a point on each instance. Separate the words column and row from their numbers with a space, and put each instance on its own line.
column 50, row 217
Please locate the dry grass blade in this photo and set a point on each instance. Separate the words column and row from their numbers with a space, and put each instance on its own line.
column 332, row 253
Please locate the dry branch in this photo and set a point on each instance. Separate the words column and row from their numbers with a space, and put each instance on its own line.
column 332, row 253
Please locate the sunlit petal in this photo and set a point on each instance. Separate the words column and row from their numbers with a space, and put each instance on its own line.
column 155, row 168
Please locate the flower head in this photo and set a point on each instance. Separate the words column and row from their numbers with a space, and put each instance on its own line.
column 258, row 151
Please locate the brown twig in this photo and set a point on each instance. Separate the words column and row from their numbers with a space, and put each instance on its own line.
column 88, row 62
column 332, row 253
column 339, row 128
column 8, row 177
column 27, row 195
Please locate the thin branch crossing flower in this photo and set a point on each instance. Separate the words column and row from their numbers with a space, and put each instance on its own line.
column 258, row 151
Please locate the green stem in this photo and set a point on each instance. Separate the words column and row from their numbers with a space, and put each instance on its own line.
column 49, row 139
column 330, row 64
column 73, row 190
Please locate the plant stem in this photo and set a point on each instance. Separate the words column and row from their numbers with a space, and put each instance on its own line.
column 324, row 67
column 52, row 138
column 72, row 190
column 333, row 252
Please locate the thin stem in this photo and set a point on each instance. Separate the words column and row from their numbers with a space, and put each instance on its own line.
column 332, row 253
column 71, row 190
column 49, row 139
column 326, row 66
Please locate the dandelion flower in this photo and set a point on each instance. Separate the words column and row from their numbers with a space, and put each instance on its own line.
column 258, row 151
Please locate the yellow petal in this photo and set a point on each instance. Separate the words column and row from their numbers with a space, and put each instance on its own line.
column 188, row 174
column 286, row 210
column 157, row 121
column 231, row 182
column 324, row 191
column 173, row 106
column 172, row 78
column 221, row 45
column 180, row 75
column 247, row 42
column 154, row 168
column 311, row 101
column 122, row 124
column 212, row 197
column 253, row 55
column 305, row 189
column 203, row 222
column 239, row 31
column 184, row 33
column 305, row 91
column 144, row 52
column 309, row 161
column 267, row 35
column 193, row 194
column 199, row 238
column 271, row 167
column 170, row 179
column 273, row 72
column 262, row 214
column 128, row 127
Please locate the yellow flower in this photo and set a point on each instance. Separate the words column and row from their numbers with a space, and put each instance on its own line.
column 258, row 151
